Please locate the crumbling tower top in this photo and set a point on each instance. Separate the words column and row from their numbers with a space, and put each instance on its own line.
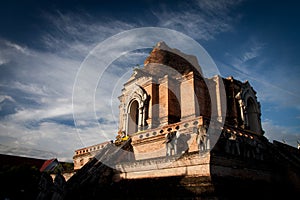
column 162, row 54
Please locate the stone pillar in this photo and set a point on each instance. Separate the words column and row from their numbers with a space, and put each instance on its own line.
column 221, row 99
column 143, row 118
column 122, row 113
column 153, row 106
column 163, row 100
column 188, row 97
column 174, row 108
column 126, row 123
column 140, row 120
column 242, row 109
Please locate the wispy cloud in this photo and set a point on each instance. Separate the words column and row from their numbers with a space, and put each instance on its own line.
column 79, row 32
column 5, row 97
column 240, row 56
column 274, row 83
column 4, row 100
column 200, row 19
column 40, row 87
column 46, row 140
column 15, row 46
column 276, row 86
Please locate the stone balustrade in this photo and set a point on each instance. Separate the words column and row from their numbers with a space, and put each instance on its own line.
column 150, row 143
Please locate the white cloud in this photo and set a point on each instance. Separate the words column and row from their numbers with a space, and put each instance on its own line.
column 273, row 82
column 201, row 19
column 45, row 79
column 286, row 134
column 79, row 32
column 5, row 97
column 276, row 86
column 47, row 140
column 17, row 47
column 239, row 58
column 3, row 61
column 253, row 52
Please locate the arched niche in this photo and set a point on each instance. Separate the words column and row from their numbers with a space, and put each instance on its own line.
column 133, row 117
column 249, row 109
column 252, row 112
column 136, row 110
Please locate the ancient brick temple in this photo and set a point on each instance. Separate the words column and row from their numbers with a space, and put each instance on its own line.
column 183, row 135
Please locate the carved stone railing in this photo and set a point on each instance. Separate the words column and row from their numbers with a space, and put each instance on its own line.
column 150, row 143
column 89, row 149
column 150, row 134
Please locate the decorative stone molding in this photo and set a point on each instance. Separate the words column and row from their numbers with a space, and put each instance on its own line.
column 138, row 94
column 249, row 108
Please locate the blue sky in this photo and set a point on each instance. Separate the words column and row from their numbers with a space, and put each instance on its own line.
column 43, row 44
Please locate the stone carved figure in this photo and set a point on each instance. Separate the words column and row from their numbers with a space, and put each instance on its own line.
column 234, row 142
column 179, row 143
column 172, row 142
column 242, row 145
column 247, row 146
column 259, row 151
column 202, row 138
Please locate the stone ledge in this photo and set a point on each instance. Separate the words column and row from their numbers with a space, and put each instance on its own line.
column 187, row 165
